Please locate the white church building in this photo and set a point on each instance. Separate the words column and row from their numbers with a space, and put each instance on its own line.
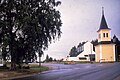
column 84, row 52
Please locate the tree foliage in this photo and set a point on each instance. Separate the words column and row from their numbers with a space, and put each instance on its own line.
column 47, row 58
column 73, row 51
column 27, row 27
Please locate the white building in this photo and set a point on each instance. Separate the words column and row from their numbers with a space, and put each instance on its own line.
column 84, row 51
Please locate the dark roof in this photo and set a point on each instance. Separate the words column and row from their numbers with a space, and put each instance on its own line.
column 116, row 40
column 105, row 42
column 75, row 55
column 81, row 44
column 103, row 24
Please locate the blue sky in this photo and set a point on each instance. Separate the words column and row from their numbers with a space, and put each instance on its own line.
column 81, row 19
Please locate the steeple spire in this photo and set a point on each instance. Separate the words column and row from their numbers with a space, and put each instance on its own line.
column 102, row 10
column 103, row 24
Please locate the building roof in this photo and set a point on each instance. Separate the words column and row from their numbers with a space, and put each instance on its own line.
column 116, row 40
column 104, row 42
column 103, row 24
column 81, row 44
column 77, row 53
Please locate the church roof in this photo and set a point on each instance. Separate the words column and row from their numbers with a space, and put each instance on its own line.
column 103, row 24
column 104, row 42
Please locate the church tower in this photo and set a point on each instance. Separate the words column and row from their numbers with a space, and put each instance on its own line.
column 104, row 33
column 105, row 49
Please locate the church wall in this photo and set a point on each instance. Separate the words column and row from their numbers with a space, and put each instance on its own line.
column 108, row 52
column 97, row 56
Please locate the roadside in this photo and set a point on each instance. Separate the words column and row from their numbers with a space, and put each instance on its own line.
column 78, row 72
column 6, row 74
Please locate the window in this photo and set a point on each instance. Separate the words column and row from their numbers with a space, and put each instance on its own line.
column 106, row 34
column 83, row 48
column 99, row 36
column 82, row 58
column 86, row 55
column 103, row 34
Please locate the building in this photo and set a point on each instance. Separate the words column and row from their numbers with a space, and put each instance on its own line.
column 117, row 48
column 105, row 48
column 83, row 52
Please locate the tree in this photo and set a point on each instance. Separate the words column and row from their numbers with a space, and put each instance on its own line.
column 28, row 26
column 73, row 51
column 55, row 59
column 4, row 43
column 40, row 57
column 47, row 58
column 50, row 59
column 94, row 42
column 115, row 40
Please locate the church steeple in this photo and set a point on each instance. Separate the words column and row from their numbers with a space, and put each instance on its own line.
column 103, row 24
column 104, row 31
column 102, row 10
column 105, row 49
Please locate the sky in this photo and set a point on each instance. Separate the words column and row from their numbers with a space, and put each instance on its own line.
column 81, row 20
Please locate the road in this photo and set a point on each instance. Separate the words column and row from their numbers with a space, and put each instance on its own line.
column 106, row 71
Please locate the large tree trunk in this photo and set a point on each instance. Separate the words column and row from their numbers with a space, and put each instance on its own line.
column 40, row 55
column 13, row 57
column 13, row 66
column 11, row 36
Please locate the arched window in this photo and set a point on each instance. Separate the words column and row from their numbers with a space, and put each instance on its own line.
column 103, row 34
column 99, row 36
column 106, row 34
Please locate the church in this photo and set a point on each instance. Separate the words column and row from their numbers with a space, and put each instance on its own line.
column 105, row 48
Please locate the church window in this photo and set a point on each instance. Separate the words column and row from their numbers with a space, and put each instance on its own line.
column 103, row 34
column 82, row 58
column 106, row 34
column 99, row 36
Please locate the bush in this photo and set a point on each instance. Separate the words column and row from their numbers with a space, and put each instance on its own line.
column 4, row 67
column 26, row 67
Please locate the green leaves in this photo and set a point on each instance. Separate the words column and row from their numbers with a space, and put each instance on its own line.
column 28, row 27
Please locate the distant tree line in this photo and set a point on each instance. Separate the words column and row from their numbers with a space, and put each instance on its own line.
column 49, row 59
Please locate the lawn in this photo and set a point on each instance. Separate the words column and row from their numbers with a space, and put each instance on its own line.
column 34, row 68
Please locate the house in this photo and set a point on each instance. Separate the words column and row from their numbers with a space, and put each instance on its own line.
column 83, row 52
column 105, row 48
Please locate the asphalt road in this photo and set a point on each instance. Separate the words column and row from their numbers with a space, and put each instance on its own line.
column 106, row 71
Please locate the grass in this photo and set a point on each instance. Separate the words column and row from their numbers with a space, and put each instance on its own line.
column 83, row 62
column 5, row 73
column 39, row 69
column 75, row 62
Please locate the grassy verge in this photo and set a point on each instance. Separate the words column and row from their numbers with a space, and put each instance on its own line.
column 7, row 74
column 39, row 69
column 76, row 62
